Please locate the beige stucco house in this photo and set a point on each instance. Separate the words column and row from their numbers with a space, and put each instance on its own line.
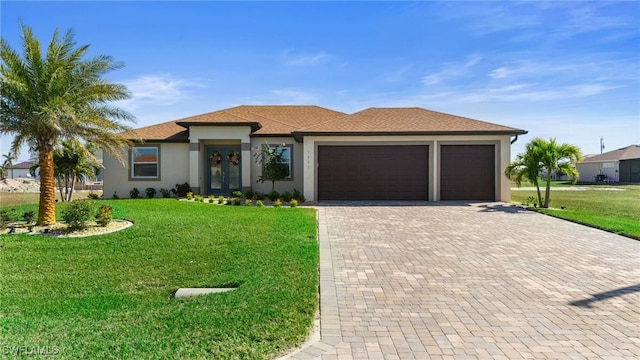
column 374, row 154
column 621, row 165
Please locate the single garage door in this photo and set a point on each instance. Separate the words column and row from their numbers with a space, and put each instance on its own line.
column 467, row 172
column 373, row 172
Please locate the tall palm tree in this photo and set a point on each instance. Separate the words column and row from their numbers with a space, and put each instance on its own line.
column 47, row 98
column 527, row 166
column 72, row 161
column 558, row 157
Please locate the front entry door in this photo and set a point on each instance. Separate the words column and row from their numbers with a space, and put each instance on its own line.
column 223, row 170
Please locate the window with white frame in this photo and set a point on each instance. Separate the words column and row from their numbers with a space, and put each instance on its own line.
column 145, row 162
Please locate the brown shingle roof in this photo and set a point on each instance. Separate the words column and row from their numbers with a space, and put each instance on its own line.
column 168, row 131
column 407, row 120
column 272, row 119
column 626, row 153
column 304, row 119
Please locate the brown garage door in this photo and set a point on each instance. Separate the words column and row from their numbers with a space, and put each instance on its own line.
column 373, row 172
column 467, row 172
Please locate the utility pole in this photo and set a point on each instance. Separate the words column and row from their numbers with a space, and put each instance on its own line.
column 601, row 144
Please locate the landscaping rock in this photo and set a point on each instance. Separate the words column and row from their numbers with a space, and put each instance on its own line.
column 188, row 292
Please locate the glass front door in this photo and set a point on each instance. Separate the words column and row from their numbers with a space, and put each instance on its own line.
column 223, row 174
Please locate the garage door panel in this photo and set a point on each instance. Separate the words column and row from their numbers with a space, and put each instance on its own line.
column 372, row 172
column 467, row 172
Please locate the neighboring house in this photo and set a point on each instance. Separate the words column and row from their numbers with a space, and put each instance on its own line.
column 374, row 154
column 20, row 170
column 622, row 165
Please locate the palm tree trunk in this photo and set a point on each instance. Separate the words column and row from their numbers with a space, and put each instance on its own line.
column 539, row 195
column 73, row 185
column 47, row 210
column 548, row 191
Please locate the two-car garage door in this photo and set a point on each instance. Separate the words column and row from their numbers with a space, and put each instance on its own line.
column 467, row 172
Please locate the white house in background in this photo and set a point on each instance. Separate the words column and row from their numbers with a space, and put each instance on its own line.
column 622, row 165
column 374, row 154
column 20, row 170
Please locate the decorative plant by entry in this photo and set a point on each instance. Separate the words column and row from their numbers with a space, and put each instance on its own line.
column 273, row 163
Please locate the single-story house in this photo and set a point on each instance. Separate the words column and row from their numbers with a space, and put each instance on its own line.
column 20, row 170
column 622, row 165
column 373, row 154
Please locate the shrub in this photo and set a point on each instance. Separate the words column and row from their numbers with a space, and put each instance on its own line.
column 211, row 199
column 259, row 204
column 28, row 216
column 189, row 195
column 248, row 202
column 260, row 196
column 298, row 195
column 5, row 218
column 286, row 196
column 236, row 194
column 135, row 193
column 274, row 195
column 249, row 194
column 221, row 200
column 115, row 195
column 93, row 196
column 277, row 203
column 530, row 200
column 77, row 214
column 151, row 192
column 294, row 203
column 237, row 202
column 165, row 193
column 199, row 198
column 105, row 215
column 181, row 190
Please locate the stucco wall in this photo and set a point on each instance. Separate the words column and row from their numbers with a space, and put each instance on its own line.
column 589, row 171
column 174, row 169
column 285, row 185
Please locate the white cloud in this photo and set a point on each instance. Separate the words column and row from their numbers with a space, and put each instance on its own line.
column 157, row 90
column 312, row 59
column 521, row 92
column 451, row 70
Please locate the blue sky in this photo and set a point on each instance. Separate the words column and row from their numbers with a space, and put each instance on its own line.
column 569, row 70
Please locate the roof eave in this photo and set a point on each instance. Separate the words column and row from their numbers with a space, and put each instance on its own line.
column 299, row 135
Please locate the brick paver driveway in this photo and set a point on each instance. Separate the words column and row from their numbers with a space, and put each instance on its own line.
column 472, row 281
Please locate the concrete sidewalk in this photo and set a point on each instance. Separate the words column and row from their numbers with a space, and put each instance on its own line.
column 472, row 281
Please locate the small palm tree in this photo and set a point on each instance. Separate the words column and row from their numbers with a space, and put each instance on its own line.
column 555, row 157
column 45, row 99
column 6, row 164
column 526, row 167
column 544, row 155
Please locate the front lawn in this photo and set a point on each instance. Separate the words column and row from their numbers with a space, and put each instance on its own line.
column 607, row 207
column 109, row 296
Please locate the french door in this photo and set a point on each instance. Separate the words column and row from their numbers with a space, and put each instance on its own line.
column 223, row 169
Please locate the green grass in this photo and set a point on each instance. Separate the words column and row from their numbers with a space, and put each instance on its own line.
column 109, row 296
column 611, row 210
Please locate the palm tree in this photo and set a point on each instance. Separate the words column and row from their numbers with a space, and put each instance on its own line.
column 544, row 155
column 526, row 167
column 554, row 157
column 8, row 161
column 72, row 161
column 58, row 96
